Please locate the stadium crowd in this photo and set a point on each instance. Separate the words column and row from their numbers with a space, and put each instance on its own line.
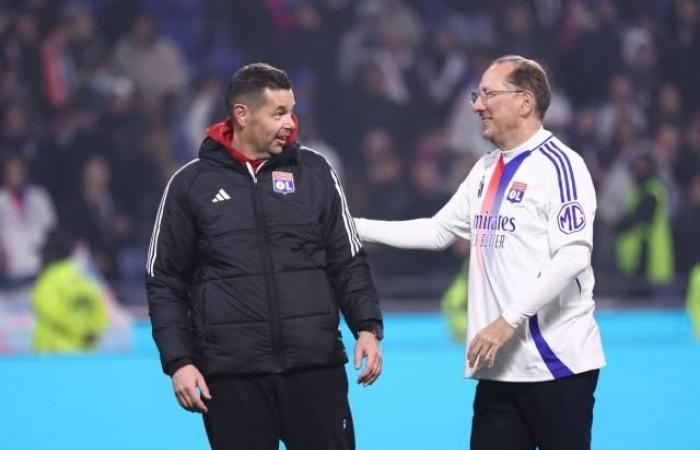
column 101, row 100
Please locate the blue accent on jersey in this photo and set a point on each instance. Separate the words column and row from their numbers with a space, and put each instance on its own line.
column 554, row 364
column 556, row 166
column 568, row 164
column 567, row 184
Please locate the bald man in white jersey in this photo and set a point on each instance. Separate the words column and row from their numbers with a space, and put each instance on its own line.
column 528, row 208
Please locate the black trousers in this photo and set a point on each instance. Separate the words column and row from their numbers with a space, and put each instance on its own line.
column 307, row 410
column 549, row 415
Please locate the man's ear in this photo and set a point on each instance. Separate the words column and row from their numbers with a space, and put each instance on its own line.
column 240, row 114
column 528, row 105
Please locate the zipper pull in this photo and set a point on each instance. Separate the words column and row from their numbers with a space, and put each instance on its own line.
column 251, row 172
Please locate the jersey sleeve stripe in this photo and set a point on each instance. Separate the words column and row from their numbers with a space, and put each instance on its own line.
column 153, row 246
column 568, row 164
column 556, row 166
column 567, row 182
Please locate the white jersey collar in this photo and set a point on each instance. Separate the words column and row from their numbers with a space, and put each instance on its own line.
column 530, row 144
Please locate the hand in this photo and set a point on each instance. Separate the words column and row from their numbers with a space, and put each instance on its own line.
column 488, row 341
column 367, row 346
column 186, row 380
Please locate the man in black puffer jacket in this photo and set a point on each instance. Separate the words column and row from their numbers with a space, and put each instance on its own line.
column 252, row 256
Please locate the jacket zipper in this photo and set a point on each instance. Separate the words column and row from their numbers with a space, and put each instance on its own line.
column 261, row 230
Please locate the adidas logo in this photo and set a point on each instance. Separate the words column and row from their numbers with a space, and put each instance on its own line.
column 220, row 196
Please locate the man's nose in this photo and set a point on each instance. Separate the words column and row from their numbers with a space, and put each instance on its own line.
column 289, row 122
column 478, row 105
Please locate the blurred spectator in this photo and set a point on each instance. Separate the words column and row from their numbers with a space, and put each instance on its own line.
column 115, row 16
column 680, row 44
column 441, row 69
column 24, row 55
column 688, row 163
column 454, row 304
column 387, row 195
column 645, row 246
column 370, row 105
column 668, row 106
column 621, row 104
column 87, row 48
column 639, row 54
column 584, row 140
column 93, row 218
column 26, row 217
column 519, row 32
column 58, row 71
column 69, row 308
column 594, row 54
column 311, row 42
column 151, row 60
column 16, row 133
column 687, row 237
column 204, row 105
column 666, row 147
column 618, row 180
column 71, row 136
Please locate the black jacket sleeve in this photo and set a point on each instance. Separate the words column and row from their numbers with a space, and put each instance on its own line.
column 169, row 269
column 348, row 269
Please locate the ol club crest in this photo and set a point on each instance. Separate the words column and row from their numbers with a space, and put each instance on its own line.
column 283, row 182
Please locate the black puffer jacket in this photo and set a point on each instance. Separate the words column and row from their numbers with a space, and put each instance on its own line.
column 247, row 272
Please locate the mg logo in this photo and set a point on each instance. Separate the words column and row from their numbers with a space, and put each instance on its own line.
column 571, row 218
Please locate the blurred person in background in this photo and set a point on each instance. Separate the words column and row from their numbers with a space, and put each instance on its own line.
column 387, row 194
column 687, row 237
column 688, row 162
column 94, row 218
column 58, row 70
column 253, row 257
column 666, row 147
column 86, row 45
column 593, row 55
column 583, row 133
column 204, row 105
column 620, row 105
column 527, row 209
column 441, row 69
column 70, row 311
column 644, row 243
column 22, row 46
column 454, row 300
column 688, row 251
column 17, row 135
column 152, row 61
column 26, row 217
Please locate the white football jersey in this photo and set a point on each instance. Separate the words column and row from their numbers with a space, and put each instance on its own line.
column 517, row 214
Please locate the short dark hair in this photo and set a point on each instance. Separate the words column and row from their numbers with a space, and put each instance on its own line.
column 529, row 75
column 249, row 82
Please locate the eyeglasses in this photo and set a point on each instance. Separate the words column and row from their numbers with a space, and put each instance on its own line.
column 486, row 95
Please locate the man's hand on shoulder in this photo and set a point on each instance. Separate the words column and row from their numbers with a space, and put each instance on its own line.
column 367, row 347
column 187, row 380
